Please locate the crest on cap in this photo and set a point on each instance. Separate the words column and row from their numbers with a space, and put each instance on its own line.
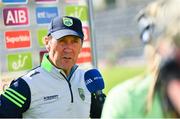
column 67, row 21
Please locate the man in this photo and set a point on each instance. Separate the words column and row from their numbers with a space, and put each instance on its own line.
column 155, row 95
column 56, row 88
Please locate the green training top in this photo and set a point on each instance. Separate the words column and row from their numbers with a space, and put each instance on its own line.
column 128, row 100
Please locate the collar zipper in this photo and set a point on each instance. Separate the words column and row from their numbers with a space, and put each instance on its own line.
column 69, row 84
column 68, row 81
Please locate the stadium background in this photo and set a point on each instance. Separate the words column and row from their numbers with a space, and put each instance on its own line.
column 119, row 50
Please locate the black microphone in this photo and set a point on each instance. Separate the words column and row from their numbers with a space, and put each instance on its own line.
column 95, row 84
column 169, row 69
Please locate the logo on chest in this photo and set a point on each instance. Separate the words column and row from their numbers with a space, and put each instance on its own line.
column 52, row 97
column 81, row 93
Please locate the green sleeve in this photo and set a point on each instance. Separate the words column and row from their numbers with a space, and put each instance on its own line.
column 117, row 104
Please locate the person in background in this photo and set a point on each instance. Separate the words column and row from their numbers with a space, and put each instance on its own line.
column 155, row 95
column 56, row 88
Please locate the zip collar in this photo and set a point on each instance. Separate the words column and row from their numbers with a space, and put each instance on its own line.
column 49, row 67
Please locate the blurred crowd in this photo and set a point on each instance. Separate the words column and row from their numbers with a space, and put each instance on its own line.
column 157, row 93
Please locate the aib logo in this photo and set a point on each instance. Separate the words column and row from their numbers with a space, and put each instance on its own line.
column 77, row 11
column 19, row 62
column 15, row 16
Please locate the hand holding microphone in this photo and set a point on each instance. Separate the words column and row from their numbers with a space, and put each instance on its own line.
column 95, row 84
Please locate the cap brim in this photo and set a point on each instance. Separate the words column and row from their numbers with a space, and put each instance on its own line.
column 65, row 32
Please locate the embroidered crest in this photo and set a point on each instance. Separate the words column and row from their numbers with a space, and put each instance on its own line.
column 81, row 93
column 67, row 21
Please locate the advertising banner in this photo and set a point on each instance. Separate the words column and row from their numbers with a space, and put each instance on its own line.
column 24, row 23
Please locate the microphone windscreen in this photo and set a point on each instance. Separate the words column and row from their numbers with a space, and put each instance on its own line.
column 93, row 80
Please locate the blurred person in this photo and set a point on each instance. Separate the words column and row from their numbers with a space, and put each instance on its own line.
column 1, row 86
column 55, row 89
column 157, row 93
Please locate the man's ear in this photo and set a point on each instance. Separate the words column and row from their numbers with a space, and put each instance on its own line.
column 46, row 41
column 81, row 46
column 80, row 50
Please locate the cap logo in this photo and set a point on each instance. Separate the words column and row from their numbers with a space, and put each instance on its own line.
column 67, row 21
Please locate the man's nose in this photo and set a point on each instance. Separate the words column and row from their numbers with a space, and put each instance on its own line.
column 68, row 47
column 67, row 50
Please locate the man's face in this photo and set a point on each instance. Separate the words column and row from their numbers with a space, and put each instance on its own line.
column 63, row 53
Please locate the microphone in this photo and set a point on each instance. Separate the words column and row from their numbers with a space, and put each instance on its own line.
column 94, row 81
column 169, row 69
column 95, row 84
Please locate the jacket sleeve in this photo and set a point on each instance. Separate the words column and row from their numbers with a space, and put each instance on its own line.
column 15, row 100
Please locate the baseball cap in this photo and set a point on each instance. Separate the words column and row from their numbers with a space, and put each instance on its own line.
column 64, row 26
